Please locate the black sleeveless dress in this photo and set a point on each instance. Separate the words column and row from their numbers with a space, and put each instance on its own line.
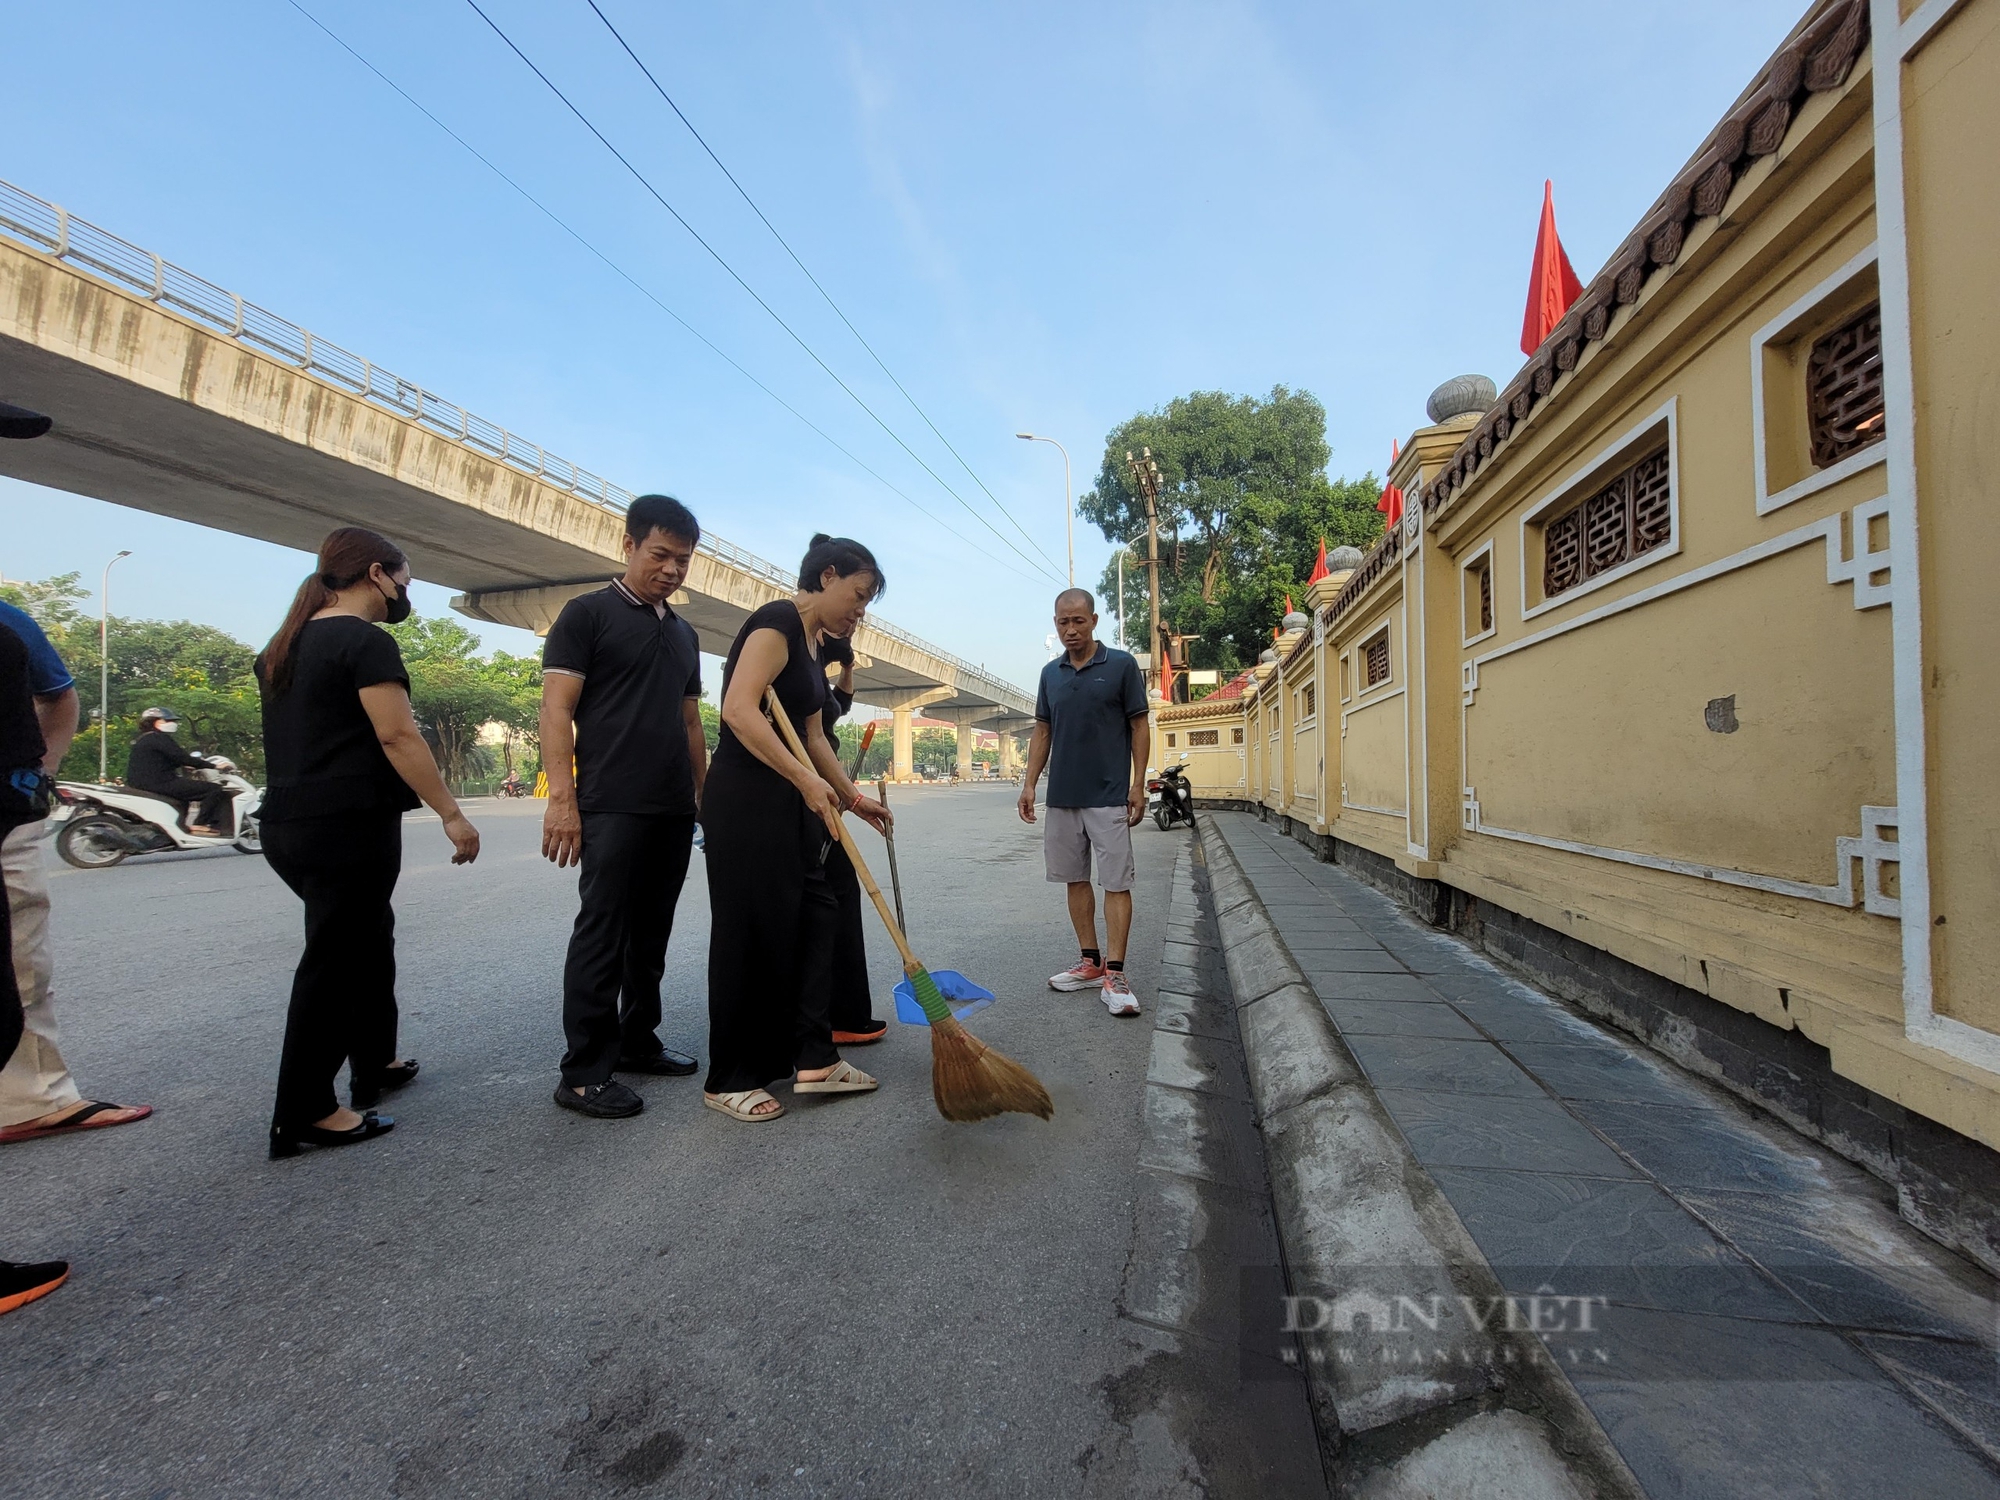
column 772, row 913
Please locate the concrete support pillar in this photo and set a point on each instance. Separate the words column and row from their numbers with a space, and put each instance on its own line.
column 964, row 719
column 1010, row 755
column 903, row 764
column 903, row 705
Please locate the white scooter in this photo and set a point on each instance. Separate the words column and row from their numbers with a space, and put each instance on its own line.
column 98, row 826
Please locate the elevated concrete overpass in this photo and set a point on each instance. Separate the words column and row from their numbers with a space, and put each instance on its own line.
column 172, row 395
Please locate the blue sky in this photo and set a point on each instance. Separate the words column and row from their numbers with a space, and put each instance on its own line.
column 1042, row 216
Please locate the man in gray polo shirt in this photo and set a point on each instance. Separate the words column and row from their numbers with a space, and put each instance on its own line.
column 1092, row 733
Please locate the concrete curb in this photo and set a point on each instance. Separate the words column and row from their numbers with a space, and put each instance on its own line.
column 1354, row 1206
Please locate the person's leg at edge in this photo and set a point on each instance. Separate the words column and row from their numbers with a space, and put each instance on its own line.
column 654, row 891
column 613, row 847
column 35, row 1084
column 20, row 1282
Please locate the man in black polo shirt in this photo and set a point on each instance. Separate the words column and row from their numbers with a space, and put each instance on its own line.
column 621, row 691
column 1093, row 733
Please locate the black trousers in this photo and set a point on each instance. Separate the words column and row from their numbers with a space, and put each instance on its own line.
column 343, row 1007
column 770, row 1010
column 852, row 1006
column 209, row 799
column 634, row 865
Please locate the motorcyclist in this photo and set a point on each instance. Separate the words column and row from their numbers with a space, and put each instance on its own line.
column 158, row 764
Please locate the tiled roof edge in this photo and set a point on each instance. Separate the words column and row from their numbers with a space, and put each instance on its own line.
column 1817, row 58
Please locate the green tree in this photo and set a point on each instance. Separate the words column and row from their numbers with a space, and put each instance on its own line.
column 881, row 749
column 201, row 673
column 1244, row 503
column 454, row 693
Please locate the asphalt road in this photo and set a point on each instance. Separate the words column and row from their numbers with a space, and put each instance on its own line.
column 505, row 1299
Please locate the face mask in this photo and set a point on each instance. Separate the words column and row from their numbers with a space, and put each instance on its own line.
column 399, row 607
column 168, row 726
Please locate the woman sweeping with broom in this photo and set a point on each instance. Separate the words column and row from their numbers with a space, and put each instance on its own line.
column 769, row 820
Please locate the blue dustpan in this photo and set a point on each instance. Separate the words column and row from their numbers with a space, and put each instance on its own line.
column 965, row 997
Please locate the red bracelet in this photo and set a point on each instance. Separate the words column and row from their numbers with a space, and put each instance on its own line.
column 853, row 803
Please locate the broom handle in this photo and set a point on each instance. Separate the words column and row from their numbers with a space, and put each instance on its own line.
column 867, row 738
column 889, row 838
column 784, row 722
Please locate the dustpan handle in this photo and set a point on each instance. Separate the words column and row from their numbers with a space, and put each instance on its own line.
column 784, row 722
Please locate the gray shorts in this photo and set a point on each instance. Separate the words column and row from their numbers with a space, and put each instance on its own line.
column 1071, row 834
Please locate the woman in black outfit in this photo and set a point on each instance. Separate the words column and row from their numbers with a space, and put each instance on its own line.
column 769, row 824
column 345, row 761
column 852, row 1008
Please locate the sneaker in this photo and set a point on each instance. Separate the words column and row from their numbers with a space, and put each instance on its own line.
column 21, row 1283
column 602, row 1101
column 1082, row 975
column 1118, row 997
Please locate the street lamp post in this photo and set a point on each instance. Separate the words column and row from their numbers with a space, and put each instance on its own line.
column 104, row 671
column 1069, row 505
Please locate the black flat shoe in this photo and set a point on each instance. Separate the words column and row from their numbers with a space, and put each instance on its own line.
column 290, row 1140
column 387, row 1081
column 666, row 1063
column 601, row 1101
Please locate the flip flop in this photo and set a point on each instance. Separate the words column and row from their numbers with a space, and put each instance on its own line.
column 741, row 1105
column 844, row 1079
column 84, row 1119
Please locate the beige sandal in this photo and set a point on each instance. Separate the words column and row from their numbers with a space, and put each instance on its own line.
column 742, row 1105
column 844, row 1079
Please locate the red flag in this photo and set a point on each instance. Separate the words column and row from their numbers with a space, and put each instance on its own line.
column 1552, row 285
column 1320, row 569
column 1391, row 503
column 1288, row 605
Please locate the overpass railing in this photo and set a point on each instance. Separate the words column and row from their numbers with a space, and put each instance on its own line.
column 996, row 688
column 53, row 230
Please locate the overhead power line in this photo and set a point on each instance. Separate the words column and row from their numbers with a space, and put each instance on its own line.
column 720, row 260
column 647, row 293
column 744, row 193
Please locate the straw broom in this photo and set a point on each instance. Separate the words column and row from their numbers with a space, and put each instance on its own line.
column 969, row 1080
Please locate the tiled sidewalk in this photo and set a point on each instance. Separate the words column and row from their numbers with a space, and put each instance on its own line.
column 1780, row 1330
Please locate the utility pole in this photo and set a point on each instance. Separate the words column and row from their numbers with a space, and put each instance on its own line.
column 1146, row 479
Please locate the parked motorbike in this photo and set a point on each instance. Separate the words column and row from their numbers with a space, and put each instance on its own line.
column 1171, row 798
column 99, row 826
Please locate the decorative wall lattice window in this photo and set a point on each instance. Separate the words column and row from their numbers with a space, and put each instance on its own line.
column 1478, row 596
column 1236, row 736
column 1631, row 515
column 1199, row 737
column 1309, row 701
column 1375, row 658
column 1844, row 388
column 1170, row 742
